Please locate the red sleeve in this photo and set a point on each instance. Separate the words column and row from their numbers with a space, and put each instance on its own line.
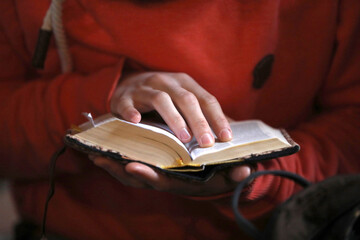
column 330, row 140
column 36, row 112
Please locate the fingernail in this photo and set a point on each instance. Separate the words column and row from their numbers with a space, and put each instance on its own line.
column 225, row 134
column 206, row 140
column 135, row 117
column 184, row 135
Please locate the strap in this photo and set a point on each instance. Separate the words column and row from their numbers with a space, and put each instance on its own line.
column 243, row 223
column 51, row 192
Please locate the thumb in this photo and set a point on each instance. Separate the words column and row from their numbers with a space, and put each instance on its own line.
column 239, row 173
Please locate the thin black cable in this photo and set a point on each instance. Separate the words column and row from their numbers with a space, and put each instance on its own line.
column 51, row 192
column 243, row 223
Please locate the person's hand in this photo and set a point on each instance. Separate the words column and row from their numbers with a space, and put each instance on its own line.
column 187, row 108
column 141, row 176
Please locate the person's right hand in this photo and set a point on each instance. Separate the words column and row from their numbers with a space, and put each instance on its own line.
column 185, row 106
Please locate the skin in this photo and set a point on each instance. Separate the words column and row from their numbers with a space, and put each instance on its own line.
column 190, row 111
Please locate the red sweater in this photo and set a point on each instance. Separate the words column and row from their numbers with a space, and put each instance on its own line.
column 313, row 91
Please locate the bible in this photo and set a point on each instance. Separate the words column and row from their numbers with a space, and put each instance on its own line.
column 154, row 144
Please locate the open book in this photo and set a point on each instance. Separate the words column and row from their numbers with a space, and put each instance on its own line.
column 154, row 144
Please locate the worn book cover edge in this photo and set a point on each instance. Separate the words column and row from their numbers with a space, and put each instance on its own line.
column 206, row 171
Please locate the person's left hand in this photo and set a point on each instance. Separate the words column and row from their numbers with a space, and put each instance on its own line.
column 141, row 176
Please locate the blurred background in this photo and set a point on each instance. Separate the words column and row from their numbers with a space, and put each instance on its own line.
column 8, row 216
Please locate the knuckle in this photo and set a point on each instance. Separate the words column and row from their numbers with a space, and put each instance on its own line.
column 221, row 121
column 160, row 97
column 209, row 100
column 135, row 86
column 121, row 100
column 177, row 120
column 183, row 76
column 187, row 97
column 121, row 107
column 155, row 79
column 201, row 124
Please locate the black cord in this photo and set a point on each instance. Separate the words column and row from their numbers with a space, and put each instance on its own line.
column 41, row 49
column 243, row 223
column 51, row 192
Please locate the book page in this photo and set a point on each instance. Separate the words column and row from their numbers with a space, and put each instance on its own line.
column 132, row 146
column 160, row 132
column 158, row 128
column 152, row 126
column 244, row 132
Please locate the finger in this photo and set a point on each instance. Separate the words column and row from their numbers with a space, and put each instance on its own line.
column 215, row 116
column 239, row 173
column 117, row 171
column 210, row 107
column 161, row 182
column 169, row 91
column 149, row 176
column 217, row 184
column 186, row 102
column 191, row 110
column 164, row 105
column 124, row 106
